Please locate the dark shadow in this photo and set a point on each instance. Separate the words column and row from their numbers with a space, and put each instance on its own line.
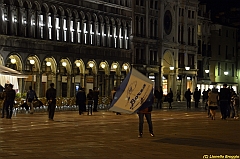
column 200, row 142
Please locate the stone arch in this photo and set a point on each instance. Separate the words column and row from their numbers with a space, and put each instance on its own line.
column 81, row 67
column 18, row 3
column 75, row 13
column 37, row 63
column 45, row 6
column 82, row 15
column 118, row 21
column 68, row 12
column 68, row 65
column 53, row 9
column 106, row 67
column 61, row 11
column 117, row 69
column 106, row 19
column 89, row 17
column 168, row 61
column 19, row 61
column 113, row 21
column 95, row 18
column 101, row 19
column 27, row 4
column 127, row 65
column 124, row 23
column 94, row 68
column 36, row 6
column 53, row 63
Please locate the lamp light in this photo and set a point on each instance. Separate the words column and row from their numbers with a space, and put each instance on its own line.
column 103, row 65
column 64, row 64
column 114, row 66
column 171, row 68
column 13, row 61
column 206, row 71
column 125, row 67
column 225, row 73
column 91, row 64
column 32, row 62
column 187, row 68
column 48, row 63
column 78, row 64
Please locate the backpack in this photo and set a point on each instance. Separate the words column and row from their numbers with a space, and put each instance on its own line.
column 31, row 94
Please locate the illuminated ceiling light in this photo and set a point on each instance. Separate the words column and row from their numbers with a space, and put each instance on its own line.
column 114, row 66
column 64, row 64
column 13, row 61
column 225, row 73
column 188, row 78
column 48, row 63
column 171, row 68
column 187, row 68
column 78, row 64
column 125, row 67
column 206, row 71
column 91, row 64
column 32, row 62
column 103, row 65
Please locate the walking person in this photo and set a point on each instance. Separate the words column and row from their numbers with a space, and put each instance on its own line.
column 95, row 98
column 196, row 96
column 213, row 102
column 146, row 111
column 187, row 95
column 224, row 98
column 90, row 98
column 235, row 101
column 170, row 98
column 10, row 95
column 81, row 100
column 31, row 95
column 51, row 98
column 159, row 95
column 178, row 96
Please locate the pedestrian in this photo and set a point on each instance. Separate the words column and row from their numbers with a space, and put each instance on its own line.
column 51, row 98
column 31, row 95
column 213, row 102
column 147, row 113
column 235, row 100
column 187, row 95
column 196, row 96
column 9, row 98
column 95, row 98
column 204, row 96
column 170, row 98
column 90, row 98
column 158, row 95
column 2, row 97
column 81, row 100
column 178, row 96
column 224, row 98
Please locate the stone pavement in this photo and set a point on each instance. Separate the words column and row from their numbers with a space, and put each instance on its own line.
column 179, row 134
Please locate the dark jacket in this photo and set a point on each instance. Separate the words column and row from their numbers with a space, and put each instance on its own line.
column 10, row 95
column 196, row 95
column 170, row 97
column 225, row 94
column 80, row 96
column 51, row 94
column 188, row 94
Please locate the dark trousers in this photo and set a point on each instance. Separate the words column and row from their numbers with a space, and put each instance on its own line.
column 196, row 103
column 159, row 101
column 95, row 104
column 141, row 121
column 223, row 107
column 3, row 109
column 8, row 105
column 51, row 109
column 188, row 103
column 81, row 107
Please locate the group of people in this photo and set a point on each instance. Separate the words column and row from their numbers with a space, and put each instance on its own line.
column 91, row 98
column 8, row 96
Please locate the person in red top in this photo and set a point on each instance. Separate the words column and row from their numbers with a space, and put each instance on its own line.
column 147, row 113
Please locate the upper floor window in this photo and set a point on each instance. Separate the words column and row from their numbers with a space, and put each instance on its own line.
column 137, row 2
column 156, row 4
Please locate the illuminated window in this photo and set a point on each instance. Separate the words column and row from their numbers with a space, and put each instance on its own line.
column 57, row 28
column 64, row 30
column 50, row 27
column 41, row 24
column 72, row 31
column 79, row 32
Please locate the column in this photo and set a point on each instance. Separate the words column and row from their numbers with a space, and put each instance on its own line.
column 38, row 85
column 82, row 81
column 54, row 29
column 183, row 85
column 45, row 30
column 37, row 24
column 69, row 85
column 82, row 32
column 107, row 88
column 59, row 85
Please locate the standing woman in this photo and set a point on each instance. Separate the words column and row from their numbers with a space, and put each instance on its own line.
column 51, row 98
column 213, row 102
column 170, row 98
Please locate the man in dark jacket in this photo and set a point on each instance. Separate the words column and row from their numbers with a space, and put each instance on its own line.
column 95, row 98
column 9, row 98
column 187, row 95
column 159, row 94
column 196, row 96
column 224, row 98
column 51, row 98
column 81, row 100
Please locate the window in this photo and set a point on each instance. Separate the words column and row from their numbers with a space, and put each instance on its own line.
column 64, row 30
column 220, row 32
column 151, row 3
column 156, row 4
column 182, row 12
column 191, row 60
column 199, row 30
column 181, row 60
column 58, row 28
column 49, row 27
column 179, row 12
column 193, row 14
column 141, row 2
column 226, row 52
column 72, row 31
column 41, row 24
column 79, row 32
column 137, row 2
column 189, row 14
